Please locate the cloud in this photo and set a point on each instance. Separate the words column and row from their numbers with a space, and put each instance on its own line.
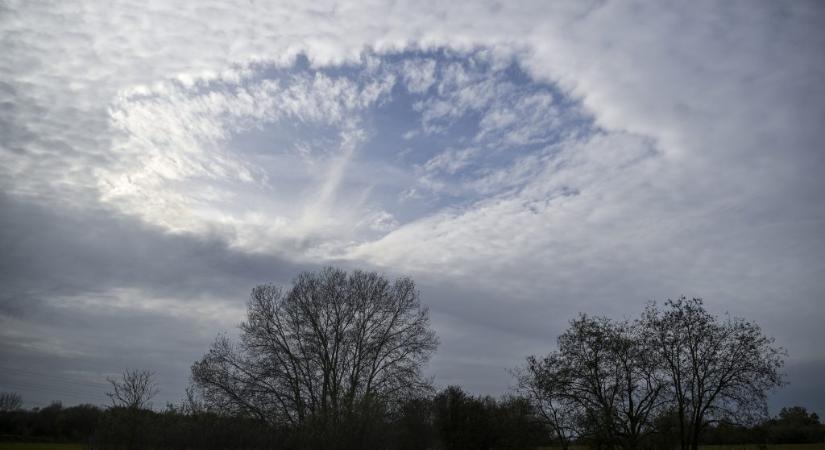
column 557, row 157
column 419, row 75
column 450, row 160
column 94, row 291
column 174, row 164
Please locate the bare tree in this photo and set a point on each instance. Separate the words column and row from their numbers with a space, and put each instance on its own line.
column 602, row 382
column 325, row 352
column 192, row 403
column 10, row 401
column 542, row 382
column 641, row 383
column 716, row 369
column 134, row 389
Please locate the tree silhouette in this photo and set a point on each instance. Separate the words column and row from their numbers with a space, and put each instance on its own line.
column 325, row 355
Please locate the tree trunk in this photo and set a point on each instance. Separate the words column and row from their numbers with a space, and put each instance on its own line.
column 694, row 445
column 682, row 434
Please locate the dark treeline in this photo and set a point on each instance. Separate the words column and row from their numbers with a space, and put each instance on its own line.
column 334, row 362
column 452, row 419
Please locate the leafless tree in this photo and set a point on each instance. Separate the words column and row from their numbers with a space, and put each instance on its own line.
column 192, row 403
column 134, row 389
column 543, row 384
column 10, row 401
column 641, row 383
column 602, row 381
column 716, row 369
column 325, row 352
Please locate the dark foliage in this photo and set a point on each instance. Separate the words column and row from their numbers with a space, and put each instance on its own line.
column 124, row 428
column 52, row 423
column 450, row 420
column 462, row 421
column 795, row 425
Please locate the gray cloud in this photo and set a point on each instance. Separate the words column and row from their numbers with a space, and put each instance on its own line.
column 703, row 178
column 87, row 293
column 68, row 251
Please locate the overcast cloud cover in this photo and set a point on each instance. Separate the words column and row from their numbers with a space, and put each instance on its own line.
column 522, row 161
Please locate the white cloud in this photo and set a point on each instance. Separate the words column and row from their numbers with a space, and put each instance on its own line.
column 450, row 160
column 419, row 75
column 172, row 164
column 565, row 213
column 703, row 175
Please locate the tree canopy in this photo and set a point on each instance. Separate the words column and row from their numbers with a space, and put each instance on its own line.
column 609, row 381
column 323, row 355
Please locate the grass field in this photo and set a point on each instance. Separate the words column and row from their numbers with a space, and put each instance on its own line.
column 726, row 447
column 820, row 446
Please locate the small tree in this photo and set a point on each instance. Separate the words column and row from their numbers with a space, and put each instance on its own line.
column 133, row 390
column 463, row 421
column 797, row 415
column 10, row 401
column 794, row 425
column 716, row 369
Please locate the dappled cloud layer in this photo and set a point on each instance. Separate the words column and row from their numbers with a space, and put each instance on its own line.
column 523, row 161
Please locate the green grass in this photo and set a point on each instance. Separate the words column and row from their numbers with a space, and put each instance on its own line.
column 820, row 446
column 38, row 446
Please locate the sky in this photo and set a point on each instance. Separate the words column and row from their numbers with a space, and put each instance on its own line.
column 522, row 161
